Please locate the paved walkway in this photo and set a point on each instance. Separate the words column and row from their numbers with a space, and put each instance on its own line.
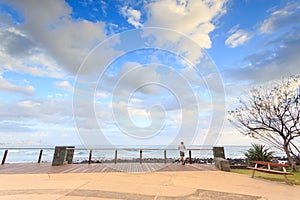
column 143, row 185
column 47, row 168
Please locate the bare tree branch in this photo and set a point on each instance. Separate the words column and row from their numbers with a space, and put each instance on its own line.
column 271, row 114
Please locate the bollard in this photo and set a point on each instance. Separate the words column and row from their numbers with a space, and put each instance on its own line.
column 40, row 156
column 219, row 152
column 90, row 157
column 70, row 154
column 165, row 156
column 141, row 155
column 190, row 155
column 116, row 156
column 4, row 156
column 60, row 156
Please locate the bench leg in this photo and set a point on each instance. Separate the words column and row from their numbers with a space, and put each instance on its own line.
column 253, row 171
column 286, row 179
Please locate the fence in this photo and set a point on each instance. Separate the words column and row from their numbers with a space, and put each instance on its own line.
column 115, row 150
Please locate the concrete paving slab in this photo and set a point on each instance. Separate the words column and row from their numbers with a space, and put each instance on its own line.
column 151, row 185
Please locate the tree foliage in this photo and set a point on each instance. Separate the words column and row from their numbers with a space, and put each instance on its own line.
column 271, row 114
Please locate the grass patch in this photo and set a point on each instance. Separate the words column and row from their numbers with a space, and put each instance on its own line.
column 294, row 179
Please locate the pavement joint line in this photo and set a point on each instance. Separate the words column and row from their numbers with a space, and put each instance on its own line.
column 198, row 194
column 72, row 190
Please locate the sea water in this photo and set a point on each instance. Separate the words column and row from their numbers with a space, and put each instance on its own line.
column 25, row 155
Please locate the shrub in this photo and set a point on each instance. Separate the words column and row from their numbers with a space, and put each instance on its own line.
column 258, row 152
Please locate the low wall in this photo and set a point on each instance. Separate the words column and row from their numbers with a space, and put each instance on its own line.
column 222, row 164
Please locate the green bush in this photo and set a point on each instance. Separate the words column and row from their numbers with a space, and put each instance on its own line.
column 258, row 152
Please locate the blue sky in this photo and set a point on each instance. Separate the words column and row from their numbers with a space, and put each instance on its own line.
column 137, row 72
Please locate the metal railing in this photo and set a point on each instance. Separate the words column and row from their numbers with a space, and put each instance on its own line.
column 116, row 150
column 23, row 148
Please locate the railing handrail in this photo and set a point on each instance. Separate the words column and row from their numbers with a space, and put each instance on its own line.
column 25, row 148
column 121, row 148
column 125, row 148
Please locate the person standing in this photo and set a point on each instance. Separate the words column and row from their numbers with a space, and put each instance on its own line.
column 181, row 148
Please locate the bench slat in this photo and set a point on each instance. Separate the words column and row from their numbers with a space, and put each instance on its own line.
column 270, row 171
column 270, row 163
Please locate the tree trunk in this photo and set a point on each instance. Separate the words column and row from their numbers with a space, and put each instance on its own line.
column 290, row 159
column 296, row 156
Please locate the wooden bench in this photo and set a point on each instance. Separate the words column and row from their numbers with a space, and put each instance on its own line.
column 268, row 167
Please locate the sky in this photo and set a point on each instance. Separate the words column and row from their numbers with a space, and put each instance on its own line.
column 147, row 72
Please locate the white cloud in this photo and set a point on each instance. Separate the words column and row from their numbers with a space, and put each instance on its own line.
column 52, row 30
column 276, row 54
column 19, row 53
column 133, row 16
column 72, row 41
column 64, row 85
column 193, row 18
column 101, row 95
column 39, row 134
column 57, row 111
column 237, row 38
column 281, row 18
column 38, row 65
column 6, row 86
column 234, row 29
column 26, row 117
column 182, row 27
column 132, row 76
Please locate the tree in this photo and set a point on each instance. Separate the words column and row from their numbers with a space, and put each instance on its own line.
column 258, row 152
column 271, row 114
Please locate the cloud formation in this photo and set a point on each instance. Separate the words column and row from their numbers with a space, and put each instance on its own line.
column 276, row 55
column 281, row 18
column 64, row 85
column 283, row 61
column 52, row 30
column 133, row 16
column 193, row 18
column 237, row 38
column 8, row 87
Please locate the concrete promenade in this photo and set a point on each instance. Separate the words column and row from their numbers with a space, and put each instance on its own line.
column 143, row 185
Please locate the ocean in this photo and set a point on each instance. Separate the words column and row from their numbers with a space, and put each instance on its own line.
column 22, row 155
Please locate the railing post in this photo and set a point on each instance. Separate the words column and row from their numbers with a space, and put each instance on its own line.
column 165, row 156
column 40, row 156
column 141, row 155
column 4, row 156
column 90, row 157
column 190, row 155
column 116, row 156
